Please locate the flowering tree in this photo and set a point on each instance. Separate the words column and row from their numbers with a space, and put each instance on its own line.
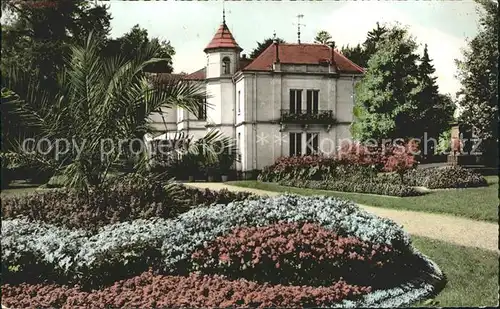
column 399, row 163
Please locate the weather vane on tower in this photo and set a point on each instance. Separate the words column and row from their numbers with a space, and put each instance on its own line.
column 223, row 12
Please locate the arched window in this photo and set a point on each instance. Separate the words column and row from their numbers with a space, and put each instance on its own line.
column 226, row 65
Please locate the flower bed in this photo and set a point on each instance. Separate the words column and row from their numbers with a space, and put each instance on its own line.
column 33, row 250
column 313, row 168
column 300, row 254
column 447, row 177
column 156, row 291
column 438, row 178
column 353, row 161
column 121, row 202
column 371, row 186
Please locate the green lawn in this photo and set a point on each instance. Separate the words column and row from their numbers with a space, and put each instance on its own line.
column 19, row 189
column 473, row 203
column 472, row 274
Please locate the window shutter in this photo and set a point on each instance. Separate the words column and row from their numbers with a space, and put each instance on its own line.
column 309, row 101
column 298, row 142
column 315, row 101
column 292, row 144
column 299, row 101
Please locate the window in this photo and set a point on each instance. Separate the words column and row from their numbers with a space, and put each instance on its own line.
column 226, row 66
column 239, row 102
column 312, row 101
column 312, row 143
column 295, row 101
column 238, row 145
column 202, row 110
column 295, row 144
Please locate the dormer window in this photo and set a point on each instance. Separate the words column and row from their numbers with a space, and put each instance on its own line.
column 226, row 65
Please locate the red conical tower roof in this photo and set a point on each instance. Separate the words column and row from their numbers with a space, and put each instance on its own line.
column 223, row 39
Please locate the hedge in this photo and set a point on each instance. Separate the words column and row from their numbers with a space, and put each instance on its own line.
column 371, row 186
column 444, row 177
column 313, row 168
column 438, row 178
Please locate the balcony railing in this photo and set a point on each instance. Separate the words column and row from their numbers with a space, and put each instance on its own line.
column 307, row 117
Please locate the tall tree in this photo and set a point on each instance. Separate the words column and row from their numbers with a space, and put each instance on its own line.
column 132, row 42
column 478, row 73
column 434, row 110
column 356, row 54
column 373, row 38
column 38, row 36
column 263, row 45
column 386, row 97
column 361, row 53
column 323, row 37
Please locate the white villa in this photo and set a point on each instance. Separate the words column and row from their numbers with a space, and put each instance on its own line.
column 292, row 99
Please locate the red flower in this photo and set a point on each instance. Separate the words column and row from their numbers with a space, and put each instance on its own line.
column 224, row 257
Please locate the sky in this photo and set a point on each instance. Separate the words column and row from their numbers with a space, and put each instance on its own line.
column 444, row 25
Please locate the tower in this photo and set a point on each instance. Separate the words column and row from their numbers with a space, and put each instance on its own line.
column 223, row 55
column 222, row 52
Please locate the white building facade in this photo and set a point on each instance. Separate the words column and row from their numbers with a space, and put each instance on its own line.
column 293, row 99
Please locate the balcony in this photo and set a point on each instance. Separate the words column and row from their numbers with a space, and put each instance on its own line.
column 307, row 117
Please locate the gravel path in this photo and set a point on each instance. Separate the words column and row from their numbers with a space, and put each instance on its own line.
column 452, row 229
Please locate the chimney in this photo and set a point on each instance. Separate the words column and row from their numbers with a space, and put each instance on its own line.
column 276, row 46
column 276, row 65
column 333, row 66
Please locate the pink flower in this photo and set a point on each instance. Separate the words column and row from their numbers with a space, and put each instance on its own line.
column 224, row 257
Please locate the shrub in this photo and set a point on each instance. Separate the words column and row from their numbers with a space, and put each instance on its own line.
column 444, row 177
column 355, row 162
column 371, row 186
column 34, row 168
column 194, row 291
column 188, row 164
column 300, row 254
column 122, row 201
column 313, row 168
column 358, row 154
column 444, row 142
column 129, row 248
column 377, row 156
column 6, row 175
column 400, row 163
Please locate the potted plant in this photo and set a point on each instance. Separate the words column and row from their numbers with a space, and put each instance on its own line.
column 190, row 165
column 226, row 160
column 210, row 169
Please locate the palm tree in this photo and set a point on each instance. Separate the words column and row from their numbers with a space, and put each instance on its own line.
column 323, row 37
column 102, row 105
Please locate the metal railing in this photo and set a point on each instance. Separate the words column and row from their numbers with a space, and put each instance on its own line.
column 307, row 116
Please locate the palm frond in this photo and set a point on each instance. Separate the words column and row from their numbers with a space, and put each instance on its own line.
column 99, row 99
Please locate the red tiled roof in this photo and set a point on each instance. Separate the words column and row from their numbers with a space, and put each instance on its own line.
column 198, row 75
column 223, row 39
column 301, row 54
column 164, row 77
column 244, row 62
